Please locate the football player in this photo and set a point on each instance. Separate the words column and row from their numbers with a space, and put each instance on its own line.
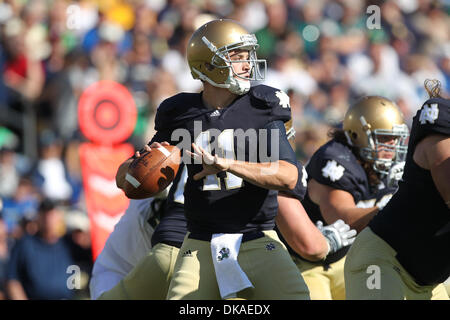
column 352, row 177
column 403, row 253
column 123, row 248
column 231, row 190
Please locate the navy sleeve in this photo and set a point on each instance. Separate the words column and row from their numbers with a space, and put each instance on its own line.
column 161, row 136
column 165, row 121
column 169, row 116
column 300, row 188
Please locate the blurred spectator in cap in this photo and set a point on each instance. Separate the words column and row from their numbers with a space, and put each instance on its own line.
column 38, row 264
column 50, row 174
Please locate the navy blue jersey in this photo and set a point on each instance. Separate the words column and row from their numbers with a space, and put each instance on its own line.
column 225, row 203
column 335, row 165
column 415, row 223
column 173, row 226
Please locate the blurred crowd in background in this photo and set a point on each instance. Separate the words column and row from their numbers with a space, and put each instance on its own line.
column 324, row 54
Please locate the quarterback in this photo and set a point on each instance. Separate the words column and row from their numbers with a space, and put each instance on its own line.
column 225, row 196
column 231, row 200
column 405, row 246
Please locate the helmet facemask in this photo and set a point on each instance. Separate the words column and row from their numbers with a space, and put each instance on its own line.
column 376, row 143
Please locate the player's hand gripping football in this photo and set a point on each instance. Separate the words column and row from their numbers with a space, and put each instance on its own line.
column 148, row 148
column 211, row 164
column 163, row 194
column 338, row 234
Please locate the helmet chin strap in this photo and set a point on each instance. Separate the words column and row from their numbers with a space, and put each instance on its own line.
column 382, row 166
column 237, row 86
column 232, row 84
column 205, row 78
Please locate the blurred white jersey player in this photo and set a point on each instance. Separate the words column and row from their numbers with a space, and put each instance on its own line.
column 126, row 245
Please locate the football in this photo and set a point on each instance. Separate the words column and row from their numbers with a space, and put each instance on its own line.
column 152, row 172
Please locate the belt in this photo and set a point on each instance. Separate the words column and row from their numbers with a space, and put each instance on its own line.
column 247, row 236
column 172, row 243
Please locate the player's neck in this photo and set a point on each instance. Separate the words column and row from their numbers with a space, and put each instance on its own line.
column 217, row 98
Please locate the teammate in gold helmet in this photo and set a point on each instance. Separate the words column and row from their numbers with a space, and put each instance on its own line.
column 376, row 127
column 403, row 252
column 352, row 177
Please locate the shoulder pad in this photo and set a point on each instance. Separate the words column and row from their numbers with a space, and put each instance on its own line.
column 174, row 111
column 433, row 117
column 269, row 97
column 335, row 165
column 339, row 152
column 276, row 100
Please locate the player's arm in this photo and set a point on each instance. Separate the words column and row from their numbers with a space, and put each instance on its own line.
column 339, row 204
column 299, row 231
column 433, row 153
column 279, row 174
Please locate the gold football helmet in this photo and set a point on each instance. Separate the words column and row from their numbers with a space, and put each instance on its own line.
column 367, row 124
column 208, row 55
